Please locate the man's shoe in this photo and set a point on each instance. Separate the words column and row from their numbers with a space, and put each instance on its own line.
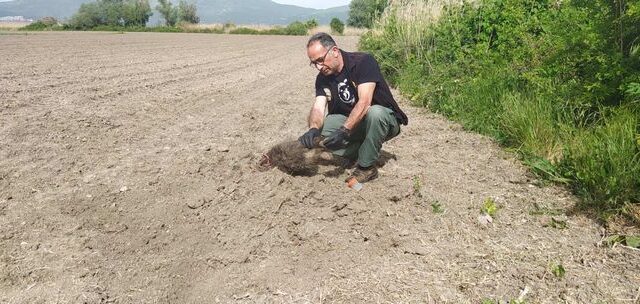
column 364, row 175
column 347, row 163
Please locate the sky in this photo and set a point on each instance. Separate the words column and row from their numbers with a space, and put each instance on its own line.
column 314, row 3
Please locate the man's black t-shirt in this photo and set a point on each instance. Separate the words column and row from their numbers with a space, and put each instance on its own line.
column 358, row 68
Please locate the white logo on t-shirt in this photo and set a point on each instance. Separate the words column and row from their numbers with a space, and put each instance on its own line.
column 345, row 92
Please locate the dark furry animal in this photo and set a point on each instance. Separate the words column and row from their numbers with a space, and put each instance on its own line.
column 293, row 158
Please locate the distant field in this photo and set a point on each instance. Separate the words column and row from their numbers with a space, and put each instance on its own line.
column 12, row 26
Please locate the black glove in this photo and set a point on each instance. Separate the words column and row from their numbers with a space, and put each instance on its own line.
column 337, row 139
column 307, row 138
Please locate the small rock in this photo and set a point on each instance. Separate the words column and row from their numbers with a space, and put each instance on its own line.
column 223, row 149
column 207, row 148
column 485, row 219
column 87, row 179
column 199, row 203
column 124, row 188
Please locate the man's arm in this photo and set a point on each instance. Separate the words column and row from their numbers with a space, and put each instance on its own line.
column 365, row 97
column 316, row 116
column 316, row 120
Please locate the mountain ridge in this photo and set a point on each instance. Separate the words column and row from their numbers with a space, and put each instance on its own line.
column 210, row 11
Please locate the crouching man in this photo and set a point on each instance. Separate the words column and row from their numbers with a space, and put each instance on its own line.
column 362, row 112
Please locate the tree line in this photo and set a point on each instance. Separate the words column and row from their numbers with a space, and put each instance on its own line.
column 129, row 13
column 135, row 14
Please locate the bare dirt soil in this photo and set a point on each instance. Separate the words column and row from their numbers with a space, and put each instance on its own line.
column 127, row 175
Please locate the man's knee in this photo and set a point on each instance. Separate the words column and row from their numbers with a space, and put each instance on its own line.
column 383, row 120
column 331, row 123
column 377, row 112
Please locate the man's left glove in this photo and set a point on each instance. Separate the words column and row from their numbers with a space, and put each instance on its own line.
column 337, row 139
column 307, row 138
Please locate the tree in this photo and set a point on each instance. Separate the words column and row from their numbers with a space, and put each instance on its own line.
column 362, row 13
column 168, row 12
column 311, row 23
column 137, row 13
column 337, row 26
column 188, row 12
column 111, row 13
column 88, row 16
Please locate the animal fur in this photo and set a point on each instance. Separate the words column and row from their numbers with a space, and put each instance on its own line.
column 294, row 158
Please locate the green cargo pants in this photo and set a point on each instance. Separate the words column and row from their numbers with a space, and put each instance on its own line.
column 364, row 144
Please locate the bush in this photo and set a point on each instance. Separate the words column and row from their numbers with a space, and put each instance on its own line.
column 188, row 12
column 111, row 13
column 49, row 21
column 605, row 161
column 311, row 23
column 362, row 13
column 244, row 31
column 336, row 26
column 168, row 12
column 35, row 26
column 44, row 24
column 557, row 81
column 296, row 28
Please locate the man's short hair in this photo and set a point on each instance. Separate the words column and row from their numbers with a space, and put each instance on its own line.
column 324, row 39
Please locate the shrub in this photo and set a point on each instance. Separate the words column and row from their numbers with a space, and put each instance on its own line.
column 168, row 12
column 188, row 12
column 336, row 26
column 49, row 21
column 557, row 81
column 244, row 31
column 605, row 161
column 111, row 13
column 296, row 28
column 311, row 23
column 35, row 26
column 44, row 24
column 362, row 13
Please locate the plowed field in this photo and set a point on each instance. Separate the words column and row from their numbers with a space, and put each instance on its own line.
column 127, row 175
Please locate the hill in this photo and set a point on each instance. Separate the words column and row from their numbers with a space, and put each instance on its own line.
column 210, row 11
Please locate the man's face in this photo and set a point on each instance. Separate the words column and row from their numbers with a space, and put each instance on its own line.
column 323, row 59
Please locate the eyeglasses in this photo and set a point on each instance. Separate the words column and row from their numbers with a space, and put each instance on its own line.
column 314, row 64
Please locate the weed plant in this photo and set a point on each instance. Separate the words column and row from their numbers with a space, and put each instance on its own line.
column 558, row 81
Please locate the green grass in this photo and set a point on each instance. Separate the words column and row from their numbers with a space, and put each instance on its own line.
column 605, row 161
column 436, row 207
column 295, row 29
column 545, row 83
column 489, row 207
column 417, row 186
column 558, row 271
